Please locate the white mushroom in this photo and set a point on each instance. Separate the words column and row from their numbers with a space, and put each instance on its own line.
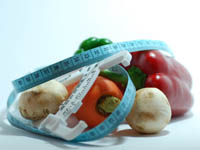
column 151, row 111
column 37, row 102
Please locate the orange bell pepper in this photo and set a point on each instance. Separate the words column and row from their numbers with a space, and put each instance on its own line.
column 88, row 111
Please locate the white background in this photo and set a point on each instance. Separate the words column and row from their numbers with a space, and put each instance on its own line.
column 35, row 33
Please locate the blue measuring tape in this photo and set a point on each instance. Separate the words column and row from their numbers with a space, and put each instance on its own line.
column 78, row 61
column 84, row 59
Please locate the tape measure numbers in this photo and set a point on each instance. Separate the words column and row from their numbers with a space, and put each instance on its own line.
column 84, row 59
column 79, row 61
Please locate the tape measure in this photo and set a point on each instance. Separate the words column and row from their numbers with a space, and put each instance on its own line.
column 88, row 58
column 84, row 59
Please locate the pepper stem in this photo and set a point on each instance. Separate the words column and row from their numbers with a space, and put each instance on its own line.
column 119, row 78
column 137, row 76
column 107, row 104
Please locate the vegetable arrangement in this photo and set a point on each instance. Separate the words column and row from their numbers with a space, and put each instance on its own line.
column 154, row 69
column 163, row 91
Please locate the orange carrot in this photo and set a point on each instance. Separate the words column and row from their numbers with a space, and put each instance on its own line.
column 88, row 111
column 71, row 87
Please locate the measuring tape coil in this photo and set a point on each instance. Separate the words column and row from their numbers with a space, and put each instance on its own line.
column 73, row 63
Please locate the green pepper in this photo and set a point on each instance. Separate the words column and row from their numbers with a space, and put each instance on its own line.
column 89, row 43
column 92, row 42
column 117, row 78
column 79, row 51
column 104, row 41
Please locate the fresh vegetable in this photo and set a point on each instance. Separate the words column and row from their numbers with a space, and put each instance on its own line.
column 37, row 102
column 154, row 69
column 100, row 101
column 119, row 79
column 92, row 42
column 151, row 111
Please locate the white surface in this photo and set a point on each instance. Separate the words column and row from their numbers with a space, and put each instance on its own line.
column 35, row 33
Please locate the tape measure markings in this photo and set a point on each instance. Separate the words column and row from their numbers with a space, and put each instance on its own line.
column 68, row 64
column 80, row 91
column 80, row 60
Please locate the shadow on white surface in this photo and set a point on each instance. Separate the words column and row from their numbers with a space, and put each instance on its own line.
column 186, row 116
column 118, row 137
column 132, row 133
column 6, row 129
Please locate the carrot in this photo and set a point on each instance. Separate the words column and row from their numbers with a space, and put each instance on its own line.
column 102, row 88
column 71, row 87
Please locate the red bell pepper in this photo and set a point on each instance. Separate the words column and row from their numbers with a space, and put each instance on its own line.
column 154, row 69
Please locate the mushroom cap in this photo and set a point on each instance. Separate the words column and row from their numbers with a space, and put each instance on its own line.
column 151, row 111
column 37, row 102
